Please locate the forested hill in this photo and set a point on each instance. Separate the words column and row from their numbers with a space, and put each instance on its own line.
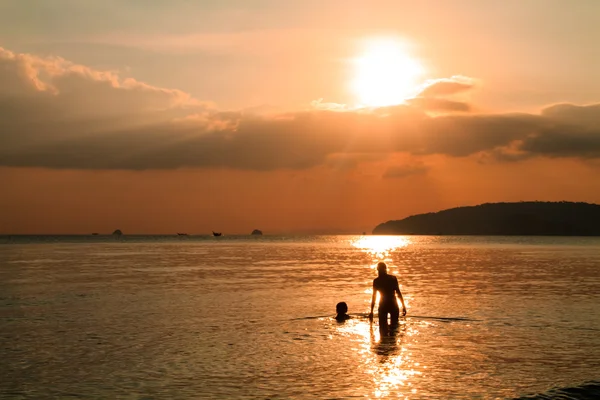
column 524, row 218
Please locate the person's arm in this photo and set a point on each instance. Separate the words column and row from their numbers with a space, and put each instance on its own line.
column 373, row 301
column 401, row 298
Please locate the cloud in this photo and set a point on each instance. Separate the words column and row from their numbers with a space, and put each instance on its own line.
column 403, row 171
column 28, row 75
column 321, row 105
column 57, row 114
column 433, row 96
column 447, row 86
column 44, row 90
column 569, row 131
column 442, row 105
column 588, row 115
column 564, row 142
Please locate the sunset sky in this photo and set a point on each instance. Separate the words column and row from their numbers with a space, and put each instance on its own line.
column 290, row 116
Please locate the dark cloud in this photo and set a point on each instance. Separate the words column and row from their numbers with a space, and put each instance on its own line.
column 461, row 136
column 61, row 115
column 568, row 130
column 568, row 141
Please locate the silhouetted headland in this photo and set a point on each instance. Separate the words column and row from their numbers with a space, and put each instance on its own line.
column 523, row 218
column 256, row 232
column 117, row 232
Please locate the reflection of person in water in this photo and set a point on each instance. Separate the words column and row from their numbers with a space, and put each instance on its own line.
column 388, row 344
column 341, row 309
column 387, row 286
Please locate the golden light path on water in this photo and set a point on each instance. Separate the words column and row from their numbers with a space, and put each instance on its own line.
column 380, row 247
column 386, row 356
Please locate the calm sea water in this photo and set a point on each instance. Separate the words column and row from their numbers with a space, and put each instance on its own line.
column 250, row 317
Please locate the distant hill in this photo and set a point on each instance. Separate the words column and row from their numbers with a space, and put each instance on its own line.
column 524, row 218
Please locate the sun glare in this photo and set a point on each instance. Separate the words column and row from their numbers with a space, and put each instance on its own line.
column 385, row 74
column 380, row 247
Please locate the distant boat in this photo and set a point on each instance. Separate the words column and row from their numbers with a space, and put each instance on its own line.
column 256, row 232
column 182, row 234
column 217, row 233
column 94, row 234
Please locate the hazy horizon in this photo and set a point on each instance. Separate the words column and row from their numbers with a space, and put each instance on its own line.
column 331, row 231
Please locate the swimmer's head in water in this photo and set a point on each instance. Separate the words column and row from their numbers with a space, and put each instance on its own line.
column 341, row 307
column 382, row 268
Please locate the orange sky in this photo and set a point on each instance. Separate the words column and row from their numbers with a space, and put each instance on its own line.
column 320, row 200
column 231, row 115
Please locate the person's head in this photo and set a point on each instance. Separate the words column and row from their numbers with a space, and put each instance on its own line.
column 341, row 307
column 381, row 268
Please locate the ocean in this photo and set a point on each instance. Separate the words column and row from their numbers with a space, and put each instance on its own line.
column 250, row 317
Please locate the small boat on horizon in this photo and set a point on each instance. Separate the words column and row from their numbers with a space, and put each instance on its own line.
column 182, row 234
column 217, row 233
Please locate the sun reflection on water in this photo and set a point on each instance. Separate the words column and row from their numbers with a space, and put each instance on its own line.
column 380, row 247
column 385, row 357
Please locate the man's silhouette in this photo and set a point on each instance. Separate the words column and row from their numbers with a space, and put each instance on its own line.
column 387, row 286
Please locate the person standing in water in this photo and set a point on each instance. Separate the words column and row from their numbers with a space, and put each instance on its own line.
column 387, row 286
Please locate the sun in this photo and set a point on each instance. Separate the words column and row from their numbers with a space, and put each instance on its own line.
column 385, row 74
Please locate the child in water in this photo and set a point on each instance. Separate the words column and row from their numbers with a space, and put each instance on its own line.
column 341, row 308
